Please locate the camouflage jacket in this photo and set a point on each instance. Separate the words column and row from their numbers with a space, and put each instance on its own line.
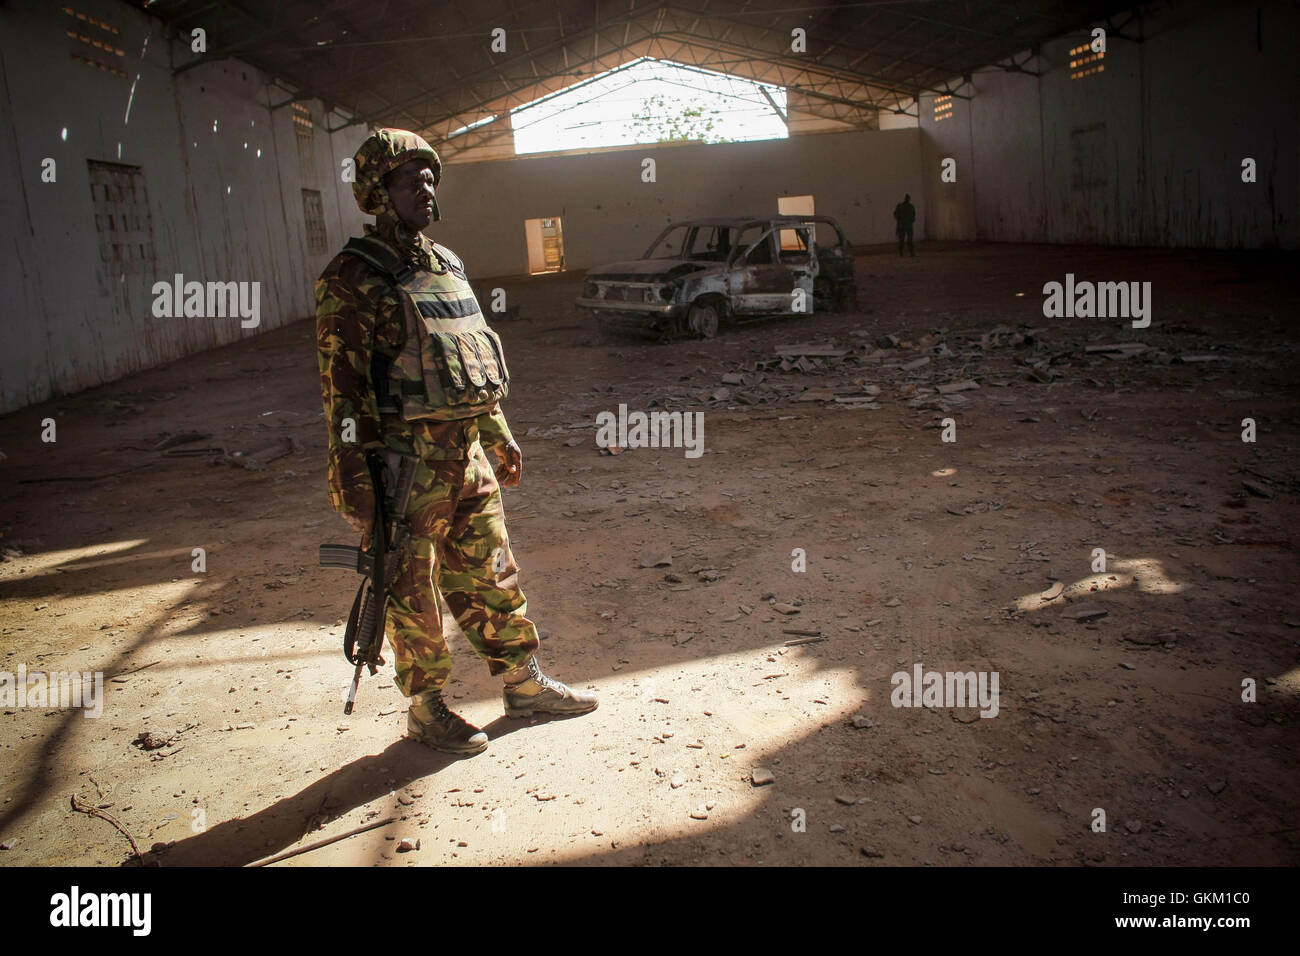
column 357, row 310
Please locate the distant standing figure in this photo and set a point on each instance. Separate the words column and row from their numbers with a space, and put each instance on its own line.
column 904, row 217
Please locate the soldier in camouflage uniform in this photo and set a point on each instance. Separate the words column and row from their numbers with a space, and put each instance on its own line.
column 409, row 368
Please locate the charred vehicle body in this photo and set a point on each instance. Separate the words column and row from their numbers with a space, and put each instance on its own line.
column 700, row 274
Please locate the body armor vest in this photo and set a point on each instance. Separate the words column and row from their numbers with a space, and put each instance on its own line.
column 452, row 365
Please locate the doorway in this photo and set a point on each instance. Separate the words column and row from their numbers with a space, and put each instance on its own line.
column 545, row 245
column 793, row 206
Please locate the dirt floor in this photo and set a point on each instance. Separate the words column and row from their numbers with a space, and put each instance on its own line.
column 919, row 551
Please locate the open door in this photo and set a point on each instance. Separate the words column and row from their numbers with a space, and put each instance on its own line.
column 545, row 240
column 765, row 280
column 793, row 206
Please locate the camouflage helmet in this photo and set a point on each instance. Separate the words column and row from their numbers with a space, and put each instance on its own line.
column 382, row 152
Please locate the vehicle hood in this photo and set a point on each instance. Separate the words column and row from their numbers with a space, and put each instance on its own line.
column 650, row 270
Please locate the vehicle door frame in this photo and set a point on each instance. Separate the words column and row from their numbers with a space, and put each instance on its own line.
column 763, row 288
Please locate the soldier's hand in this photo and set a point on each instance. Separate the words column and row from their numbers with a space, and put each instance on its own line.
column 510, row 464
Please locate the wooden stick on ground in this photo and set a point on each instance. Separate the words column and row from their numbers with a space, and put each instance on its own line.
column 326, row 842
column 96, row 812
column 136, row 669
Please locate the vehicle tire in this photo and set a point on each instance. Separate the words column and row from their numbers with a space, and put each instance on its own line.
column 702, row 320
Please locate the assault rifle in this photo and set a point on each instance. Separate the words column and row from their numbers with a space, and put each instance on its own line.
column 363, row 640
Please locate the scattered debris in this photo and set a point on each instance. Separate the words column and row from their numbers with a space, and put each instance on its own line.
column 655, row 556
column 1084, row 612
column 1120, row 350
column 811, row 639
column 147, row 740
column 258, row 460
column 1256, row 489
column 96, row 812
column 326, row 842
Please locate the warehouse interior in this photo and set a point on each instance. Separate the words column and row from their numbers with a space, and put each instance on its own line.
column 946, row 458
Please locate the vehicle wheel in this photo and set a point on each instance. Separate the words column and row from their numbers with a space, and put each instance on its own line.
column 703, row 320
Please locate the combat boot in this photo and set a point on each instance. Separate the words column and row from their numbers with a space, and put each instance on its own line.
column 528, row 691
column 432, row 724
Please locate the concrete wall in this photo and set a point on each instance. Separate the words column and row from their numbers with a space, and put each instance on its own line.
column 219, row 211
column 1148, row 152
column 608, row 213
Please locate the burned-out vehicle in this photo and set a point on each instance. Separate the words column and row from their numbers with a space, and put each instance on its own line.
column 700, row 274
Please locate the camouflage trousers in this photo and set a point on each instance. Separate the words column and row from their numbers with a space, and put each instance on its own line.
column 457, row 546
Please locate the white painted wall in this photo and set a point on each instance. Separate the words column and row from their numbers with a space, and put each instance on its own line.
column 1147, row 153
column 70, row 324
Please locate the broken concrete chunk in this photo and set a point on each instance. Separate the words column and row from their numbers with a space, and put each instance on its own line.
column 1084, row 612
column 656, row 556
column 807, row 349
column 1118, row 349
column 147, row 740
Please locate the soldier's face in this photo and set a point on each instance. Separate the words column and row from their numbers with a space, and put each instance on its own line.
column 410, row 186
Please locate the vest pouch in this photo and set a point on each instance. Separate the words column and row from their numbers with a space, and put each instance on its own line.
column 480, row 341
column 473, row 371
column 500, row 354
column 473, row 366
column 449, row 362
